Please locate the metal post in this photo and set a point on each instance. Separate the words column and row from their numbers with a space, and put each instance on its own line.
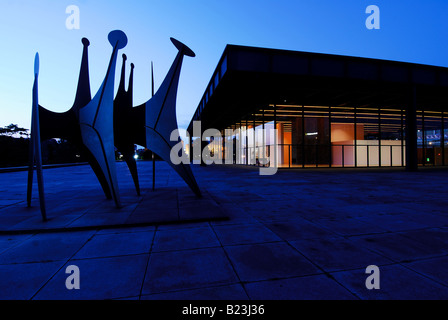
column 289, row 156
column 263, row 147
column 434, row 156
column 275, row 137
column 411, row 131
column 254, row 158
column 356, row 138
column 153, row 172
column 423, row 138
column 402, row 139
column 190, row 143
column 234, row 145
column 391, row 162
column 303, row 136
column 329, row 135
column 442, row 138
column 368, row 157
column 223, row 147
column 247, row 144
column 238, row 144
column 379, row 137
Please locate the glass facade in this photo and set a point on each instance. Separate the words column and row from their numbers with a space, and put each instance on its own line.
column 327, row 136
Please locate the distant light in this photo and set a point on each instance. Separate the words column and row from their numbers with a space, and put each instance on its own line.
column 427, row 159
column 311, row 133
column 136, row 156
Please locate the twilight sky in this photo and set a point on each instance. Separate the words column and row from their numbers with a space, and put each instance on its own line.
column 410, row 30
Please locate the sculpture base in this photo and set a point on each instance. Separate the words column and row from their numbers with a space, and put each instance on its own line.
column 75, row 201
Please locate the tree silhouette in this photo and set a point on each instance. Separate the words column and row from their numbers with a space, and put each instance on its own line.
column 14, row 130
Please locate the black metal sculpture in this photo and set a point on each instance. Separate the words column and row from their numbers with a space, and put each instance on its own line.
column 152, row 123
column 160, row 117
column 35, row 154
column 96, row 126
column 88, row 124
column 123, row 124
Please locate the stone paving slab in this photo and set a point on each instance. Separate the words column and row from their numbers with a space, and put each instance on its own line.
column 118, row 244
column 300, row 234
column 75, row 201
column 333, row 254
column 399, row 283
column 267, row 261
column 46, row 247
column 123, row 276
column 188, row 269
column 432, row 268
column 228, row 292
column 319, row 287
column 184, row 239
column 22, row 281
column 397, row 247
column 245, row 234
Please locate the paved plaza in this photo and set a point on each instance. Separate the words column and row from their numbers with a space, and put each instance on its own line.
column 300, row 234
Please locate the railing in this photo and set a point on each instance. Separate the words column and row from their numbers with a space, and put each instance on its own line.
column 339, row 155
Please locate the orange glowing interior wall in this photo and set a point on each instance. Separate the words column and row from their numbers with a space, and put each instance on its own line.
column 346, row 132
column 284, row 140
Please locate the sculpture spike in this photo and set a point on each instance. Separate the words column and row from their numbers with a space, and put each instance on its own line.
column 35, row 156
column 153, row 157
column 121, row 85
column 36, row 65
column 124, row 126
column 160, row 117
column 96, row 120
column 96, row 124
column 131, row 83
column 152, row 80
column 83, row 94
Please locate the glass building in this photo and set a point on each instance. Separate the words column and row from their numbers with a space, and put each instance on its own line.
column 329, row 110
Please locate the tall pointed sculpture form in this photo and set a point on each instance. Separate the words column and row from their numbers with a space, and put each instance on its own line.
column 96, row 120
column 88, row 123
column 154, row 121
column 153, row 156
column 123, row 124
column 35, row 153
column 160, row 117
column 97, row 125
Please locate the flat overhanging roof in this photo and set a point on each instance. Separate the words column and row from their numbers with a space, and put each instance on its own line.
column 248, row 78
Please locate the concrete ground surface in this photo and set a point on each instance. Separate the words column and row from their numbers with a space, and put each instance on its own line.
column 300, row 234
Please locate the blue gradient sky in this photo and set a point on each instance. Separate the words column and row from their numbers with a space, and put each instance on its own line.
column 411, row 31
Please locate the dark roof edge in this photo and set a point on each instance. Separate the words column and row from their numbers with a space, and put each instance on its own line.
column 231, row 47
column 328, row 55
